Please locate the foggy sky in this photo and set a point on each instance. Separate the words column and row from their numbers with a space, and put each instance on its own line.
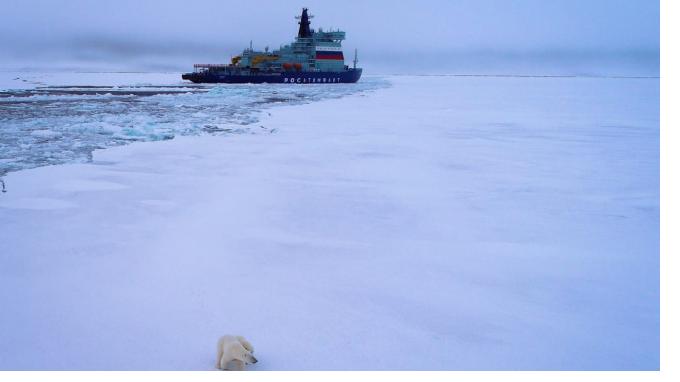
column 404, row 36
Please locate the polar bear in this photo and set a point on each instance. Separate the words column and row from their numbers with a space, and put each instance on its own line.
column 233, row 353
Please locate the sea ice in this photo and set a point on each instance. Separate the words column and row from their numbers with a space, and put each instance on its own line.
column 446, row 223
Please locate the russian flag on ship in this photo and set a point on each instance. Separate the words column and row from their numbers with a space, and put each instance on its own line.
column 329, row 53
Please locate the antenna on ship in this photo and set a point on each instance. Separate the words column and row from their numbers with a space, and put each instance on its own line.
column 355, row 58
column 304, row 24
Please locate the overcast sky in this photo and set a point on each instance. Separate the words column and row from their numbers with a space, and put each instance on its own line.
column 417, row 36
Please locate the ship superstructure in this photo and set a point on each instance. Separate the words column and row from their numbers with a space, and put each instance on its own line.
column 314, row 57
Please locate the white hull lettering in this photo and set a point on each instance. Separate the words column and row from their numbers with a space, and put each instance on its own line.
column 311, row 80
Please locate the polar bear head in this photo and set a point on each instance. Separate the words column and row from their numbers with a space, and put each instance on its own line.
column 242, row 354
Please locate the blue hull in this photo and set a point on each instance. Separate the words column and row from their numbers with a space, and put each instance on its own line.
column 345, row 77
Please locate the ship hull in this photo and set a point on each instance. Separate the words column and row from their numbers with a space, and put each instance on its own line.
column 344, row 77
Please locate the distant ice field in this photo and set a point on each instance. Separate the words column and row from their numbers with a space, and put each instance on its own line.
column 54, row 118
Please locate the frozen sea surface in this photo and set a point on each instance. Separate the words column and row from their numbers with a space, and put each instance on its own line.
column 48, row 119
column 441, row 223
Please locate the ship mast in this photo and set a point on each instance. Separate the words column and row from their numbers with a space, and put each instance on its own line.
column 304, row 24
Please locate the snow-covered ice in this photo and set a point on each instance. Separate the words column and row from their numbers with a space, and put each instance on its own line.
column 455, row 223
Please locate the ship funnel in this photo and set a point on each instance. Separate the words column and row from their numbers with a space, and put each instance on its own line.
column 304, row 24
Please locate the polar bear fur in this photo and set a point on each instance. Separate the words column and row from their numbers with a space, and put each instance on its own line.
column 234, row 352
